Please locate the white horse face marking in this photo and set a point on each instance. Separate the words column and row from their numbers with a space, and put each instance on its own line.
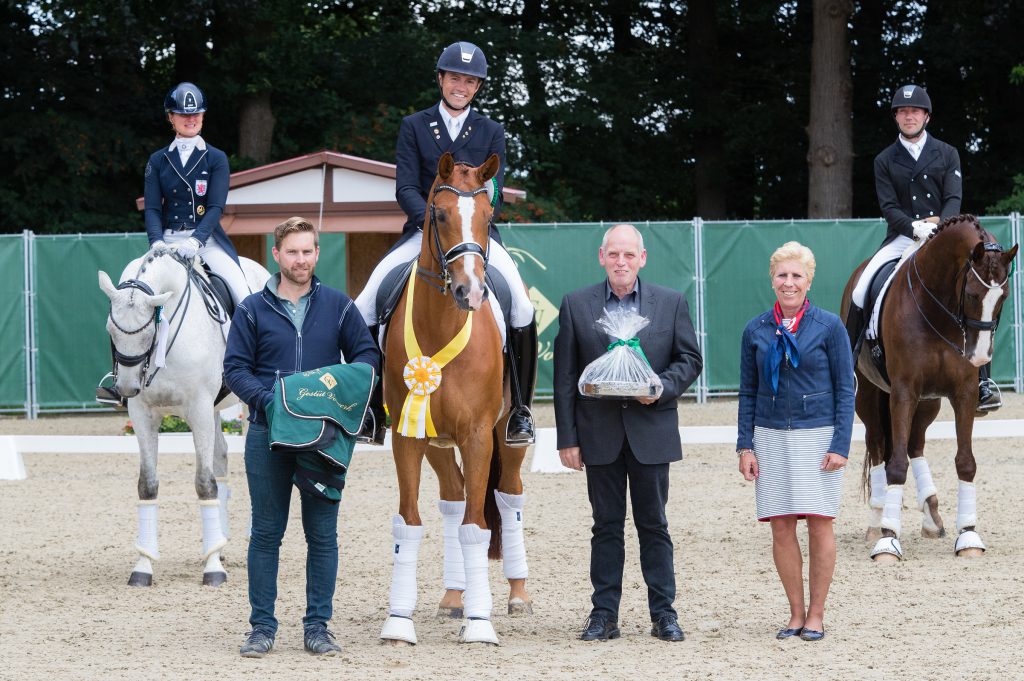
column 467, row 208
column 983, row 347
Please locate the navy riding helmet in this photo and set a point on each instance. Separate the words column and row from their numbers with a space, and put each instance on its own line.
column 465, row 58
column 912, row 95
column 185, row 98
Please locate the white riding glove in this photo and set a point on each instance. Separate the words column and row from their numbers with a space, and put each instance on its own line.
column 158, row 245
column 188, row 248
column 922, row 229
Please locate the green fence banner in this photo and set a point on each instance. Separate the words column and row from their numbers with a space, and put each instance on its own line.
column 13, row 379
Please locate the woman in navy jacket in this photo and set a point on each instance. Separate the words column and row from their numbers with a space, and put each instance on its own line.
column 795, row 422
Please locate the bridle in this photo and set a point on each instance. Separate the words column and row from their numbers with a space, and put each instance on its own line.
column 145, row 358
column 962, row 321
column 442, row 258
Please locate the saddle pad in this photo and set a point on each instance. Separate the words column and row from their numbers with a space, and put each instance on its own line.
column 876, row 295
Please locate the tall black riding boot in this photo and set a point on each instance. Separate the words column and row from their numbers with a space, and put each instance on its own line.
column 855, row 322
column 375, row 425
column 988, row 399
column 522, row 349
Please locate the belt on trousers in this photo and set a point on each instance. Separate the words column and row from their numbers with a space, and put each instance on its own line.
column 179, row 226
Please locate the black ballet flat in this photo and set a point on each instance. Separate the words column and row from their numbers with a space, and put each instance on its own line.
column 812, row 635
column 788, row 633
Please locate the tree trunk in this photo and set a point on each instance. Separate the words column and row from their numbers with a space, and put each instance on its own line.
column 256, row 127
column 830, row 131
column 705, row 76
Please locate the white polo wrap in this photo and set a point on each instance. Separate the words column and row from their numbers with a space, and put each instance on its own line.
column 146, row 542
column 477, row 598
column 406, row 553
column 452, row 513
column 513, row 544
column 893, row 509
column 966, row 505
column 923, row 479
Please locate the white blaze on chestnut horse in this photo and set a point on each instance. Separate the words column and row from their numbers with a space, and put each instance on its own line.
column 445, row 385
column 169, row 356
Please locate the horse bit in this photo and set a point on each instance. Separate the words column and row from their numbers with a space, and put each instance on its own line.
column 121, row 359
column 962, row 321
column 459, row 250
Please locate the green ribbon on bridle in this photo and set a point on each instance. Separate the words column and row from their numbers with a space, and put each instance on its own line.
column 634, row 343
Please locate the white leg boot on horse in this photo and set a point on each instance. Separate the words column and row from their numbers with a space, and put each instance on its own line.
column 876, row 502
column 452, row 513
column 213, row 541
column 888, row 549
column 478, row 600
column 513, row 551
column 146, row 544
column 398, row 628
column 223, row 495
column 968, row 541
column 927, row 500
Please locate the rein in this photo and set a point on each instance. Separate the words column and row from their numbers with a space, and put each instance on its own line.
column 962, row 321
column 212, row 308
column 443, row 258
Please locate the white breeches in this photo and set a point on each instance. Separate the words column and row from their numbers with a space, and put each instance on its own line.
column 522, row 308
column 220, row 262
column 892, row 250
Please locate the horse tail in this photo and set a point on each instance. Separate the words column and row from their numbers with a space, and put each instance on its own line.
column 491, row 514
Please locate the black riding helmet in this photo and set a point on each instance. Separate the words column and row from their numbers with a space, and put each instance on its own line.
column 465, row 58
column 912, row 95
column 185, row 98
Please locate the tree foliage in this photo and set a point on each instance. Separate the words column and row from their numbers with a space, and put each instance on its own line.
column 615, row 109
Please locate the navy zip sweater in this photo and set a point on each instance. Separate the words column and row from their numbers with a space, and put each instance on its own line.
column 263, row 341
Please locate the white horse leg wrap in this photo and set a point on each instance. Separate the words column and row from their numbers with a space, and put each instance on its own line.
column 403, row 574
column 213, row 539
column 877, row 486
column 452, row 513
column 923, row 478
column 223, row 494
column 893, row 508
column 966, row 505
column 146, row 543
column 513, row 545
column 477, row 598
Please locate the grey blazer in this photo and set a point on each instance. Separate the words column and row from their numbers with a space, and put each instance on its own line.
column 600, row 426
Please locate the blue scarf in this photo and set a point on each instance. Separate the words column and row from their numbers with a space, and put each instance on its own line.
column 784, row 345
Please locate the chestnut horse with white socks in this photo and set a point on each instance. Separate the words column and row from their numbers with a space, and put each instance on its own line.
column 445, row 385
column 937, row 326
column 169, row 359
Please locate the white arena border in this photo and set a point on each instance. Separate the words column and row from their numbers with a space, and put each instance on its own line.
column 545, row 458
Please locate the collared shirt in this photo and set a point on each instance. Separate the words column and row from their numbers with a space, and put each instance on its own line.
column 453, row 123
column 185, row 145
column 297, row 311
column 914, row 148
column 630, row 301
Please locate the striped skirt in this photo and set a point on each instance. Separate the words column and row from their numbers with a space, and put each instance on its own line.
column 790, row 481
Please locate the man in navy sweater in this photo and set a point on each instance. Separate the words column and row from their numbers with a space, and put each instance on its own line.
column 294, row 324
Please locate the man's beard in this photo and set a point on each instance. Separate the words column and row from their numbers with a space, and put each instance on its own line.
column 287, row 274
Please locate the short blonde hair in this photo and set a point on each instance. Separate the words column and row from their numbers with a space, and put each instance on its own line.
column 293, row 225
column 793, row 250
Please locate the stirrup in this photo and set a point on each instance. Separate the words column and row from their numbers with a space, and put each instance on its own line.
column 995, row 399
column 109, row 395
column 370, row 434
column 523, row 439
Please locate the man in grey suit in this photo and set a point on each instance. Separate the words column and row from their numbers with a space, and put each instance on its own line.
column 625, row 441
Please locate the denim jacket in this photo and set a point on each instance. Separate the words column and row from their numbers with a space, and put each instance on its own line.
column 819, row 392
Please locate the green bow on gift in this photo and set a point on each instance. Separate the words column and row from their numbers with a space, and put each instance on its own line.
column 634, row 343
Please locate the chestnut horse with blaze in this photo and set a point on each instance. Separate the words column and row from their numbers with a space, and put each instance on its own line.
column 937, row 327
column 445, row 386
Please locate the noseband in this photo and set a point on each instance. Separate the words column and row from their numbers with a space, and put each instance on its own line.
column 443, row 258
column 962, row 321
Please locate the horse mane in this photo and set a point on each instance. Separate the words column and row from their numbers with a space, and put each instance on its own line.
column 960, row 219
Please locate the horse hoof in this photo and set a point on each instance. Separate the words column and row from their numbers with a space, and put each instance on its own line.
column 971, row 553
column 395, row 643
column 517, row 607
column 969, row 545
column 214, row 578
column 885, row 559
column 933, row 534
column 872, row 535
column 887, row 551
column 478, row 631
column 140, row 579
column 444, row 613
